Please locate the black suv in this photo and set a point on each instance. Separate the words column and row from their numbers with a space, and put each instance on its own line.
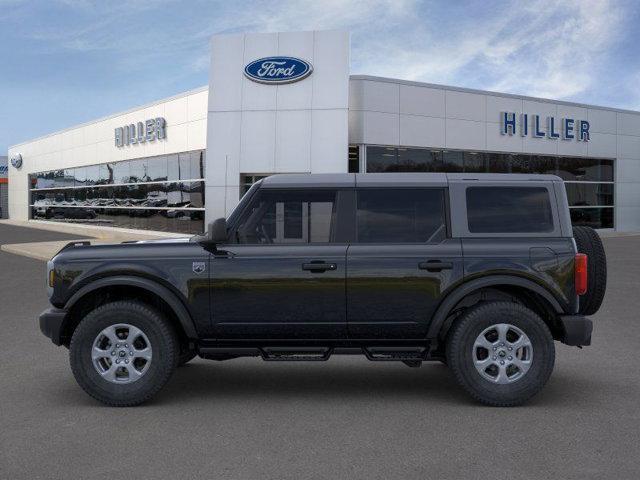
column 481, row 272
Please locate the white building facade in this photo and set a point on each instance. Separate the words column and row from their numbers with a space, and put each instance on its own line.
column 286, row 103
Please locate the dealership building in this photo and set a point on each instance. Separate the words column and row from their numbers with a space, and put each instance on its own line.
column 287, row 103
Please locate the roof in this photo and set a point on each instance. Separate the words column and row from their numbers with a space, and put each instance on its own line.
column 412, row 179
column 372, row 78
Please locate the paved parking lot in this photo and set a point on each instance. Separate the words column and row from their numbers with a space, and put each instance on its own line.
column 345, row 419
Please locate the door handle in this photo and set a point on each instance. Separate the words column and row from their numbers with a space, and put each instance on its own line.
column 318, row 267
column 435, row 266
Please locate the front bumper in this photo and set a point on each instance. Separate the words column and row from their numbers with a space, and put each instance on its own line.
column 576, row 330
column 51, row 323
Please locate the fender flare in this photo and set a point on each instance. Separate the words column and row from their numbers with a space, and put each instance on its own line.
column 465, row 289
column 151, row 286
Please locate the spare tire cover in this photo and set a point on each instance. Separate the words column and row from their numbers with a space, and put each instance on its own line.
column 588, row 242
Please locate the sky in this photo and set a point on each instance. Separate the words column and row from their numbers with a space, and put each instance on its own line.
column 65, row 62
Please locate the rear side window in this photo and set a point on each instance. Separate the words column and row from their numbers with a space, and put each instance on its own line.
column 401, row 215
column 509, row 210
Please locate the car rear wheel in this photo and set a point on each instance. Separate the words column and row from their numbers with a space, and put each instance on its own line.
column 501, row 353
column 588, row 242
column 123, row 353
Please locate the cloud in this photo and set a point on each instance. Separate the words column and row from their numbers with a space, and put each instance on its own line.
column 544, row 48
column 539, row 48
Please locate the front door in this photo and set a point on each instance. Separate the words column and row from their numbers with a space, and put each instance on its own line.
column 283, row 274
column 401, row 262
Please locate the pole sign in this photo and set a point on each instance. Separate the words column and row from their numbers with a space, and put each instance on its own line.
column 141, row 132
column 278, row 70
column 551, row 127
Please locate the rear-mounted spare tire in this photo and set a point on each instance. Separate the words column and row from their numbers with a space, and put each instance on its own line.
column 588, row 242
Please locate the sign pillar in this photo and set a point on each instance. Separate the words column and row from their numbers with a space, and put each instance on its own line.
column 278, row 103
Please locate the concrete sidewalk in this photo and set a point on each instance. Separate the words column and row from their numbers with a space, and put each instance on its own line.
column 41, row 250
column 44, row 250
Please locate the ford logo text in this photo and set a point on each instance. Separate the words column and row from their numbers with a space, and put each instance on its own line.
column 278, row 70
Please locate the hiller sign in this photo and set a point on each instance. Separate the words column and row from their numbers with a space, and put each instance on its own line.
column 147, row 131
column 566, row 128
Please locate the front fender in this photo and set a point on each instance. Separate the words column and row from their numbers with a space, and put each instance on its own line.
column 151, row 286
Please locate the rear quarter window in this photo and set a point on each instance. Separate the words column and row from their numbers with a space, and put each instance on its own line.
column 498, row 209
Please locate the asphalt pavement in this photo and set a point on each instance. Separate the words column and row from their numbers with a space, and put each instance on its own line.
column 347, row 418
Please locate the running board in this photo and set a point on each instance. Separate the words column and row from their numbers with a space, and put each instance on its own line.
column 295, row 354
column 411, row 354
column 395, row 354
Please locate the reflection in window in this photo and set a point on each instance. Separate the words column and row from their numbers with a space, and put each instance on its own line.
column 576, row 172
column 247, row 180
column 401, row 215
column 592, row 217
column 288, row 217
column 132, row 193
column 509, row 210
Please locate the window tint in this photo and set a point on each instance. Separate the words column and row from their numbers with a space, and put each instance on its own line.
column 509, row 210
column 401, row 215
column 281, row 216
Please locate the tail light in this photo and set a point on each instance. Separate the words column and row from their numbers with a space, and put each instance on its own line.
column 581, row 273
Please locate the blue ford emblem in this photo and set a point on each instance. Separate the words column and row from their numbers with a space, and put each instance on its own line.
column 16, row 160
column 278, row 70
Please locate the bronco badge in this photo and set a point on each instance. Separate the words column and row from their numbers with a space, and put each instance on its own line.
column 198, row 267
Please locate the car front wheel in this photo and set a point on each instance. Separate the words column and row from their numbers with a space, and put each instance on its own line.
column 123, row 353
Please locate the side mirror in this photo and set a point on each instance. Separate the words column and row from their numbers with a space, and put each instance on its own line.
column 217, row 231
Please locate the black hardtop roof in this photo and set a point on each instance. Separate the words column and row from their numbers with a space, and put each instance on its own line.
column 413, row 179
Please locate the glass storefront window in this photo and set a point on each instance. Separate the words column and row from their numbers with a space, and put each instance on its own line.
column 131, row 193
column 592, row 217
column 590, row 194
column 354, row 159
column 121, row 172
column 585, row 169
column 452, row 161
column 138, row 171
column 157, row 169
column 589, row 181
column 247, row 180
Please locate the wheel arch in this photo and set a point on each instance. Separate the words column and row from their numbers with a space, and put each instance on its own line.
column 101, row 290
column 527, row 291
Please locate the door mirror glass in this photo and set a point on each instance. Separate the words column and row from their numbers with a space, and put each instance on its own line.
column 217, row 231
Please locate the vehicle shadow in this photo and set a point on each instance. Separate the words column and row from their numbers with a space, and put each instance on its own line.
column 432, row 383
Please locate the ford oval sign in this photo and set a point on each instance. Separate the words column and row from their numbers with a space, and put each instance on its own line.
column 16, row 160
column 278, row 70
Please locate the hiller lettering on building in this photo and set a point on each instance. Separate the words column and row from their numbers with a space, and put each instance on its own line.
column 525, row 124
column 147, row 131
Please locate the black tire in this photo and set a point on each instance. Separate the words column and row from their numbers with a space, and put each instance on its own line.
column 588, row 242
column 161, row 337
column 460, row 351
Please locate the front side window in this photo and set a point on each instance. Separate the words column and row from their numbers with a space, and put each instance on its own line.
column 288, row 216
column 401, row 215
column 509, row 210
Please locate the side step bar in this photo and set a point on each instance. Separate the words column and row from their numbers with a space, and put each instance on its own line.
column 295, row 354
column 411, row 354
column 395, row 354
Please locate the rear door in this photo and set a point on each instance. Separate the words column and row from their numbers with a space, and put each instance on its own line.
column 400, row 263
